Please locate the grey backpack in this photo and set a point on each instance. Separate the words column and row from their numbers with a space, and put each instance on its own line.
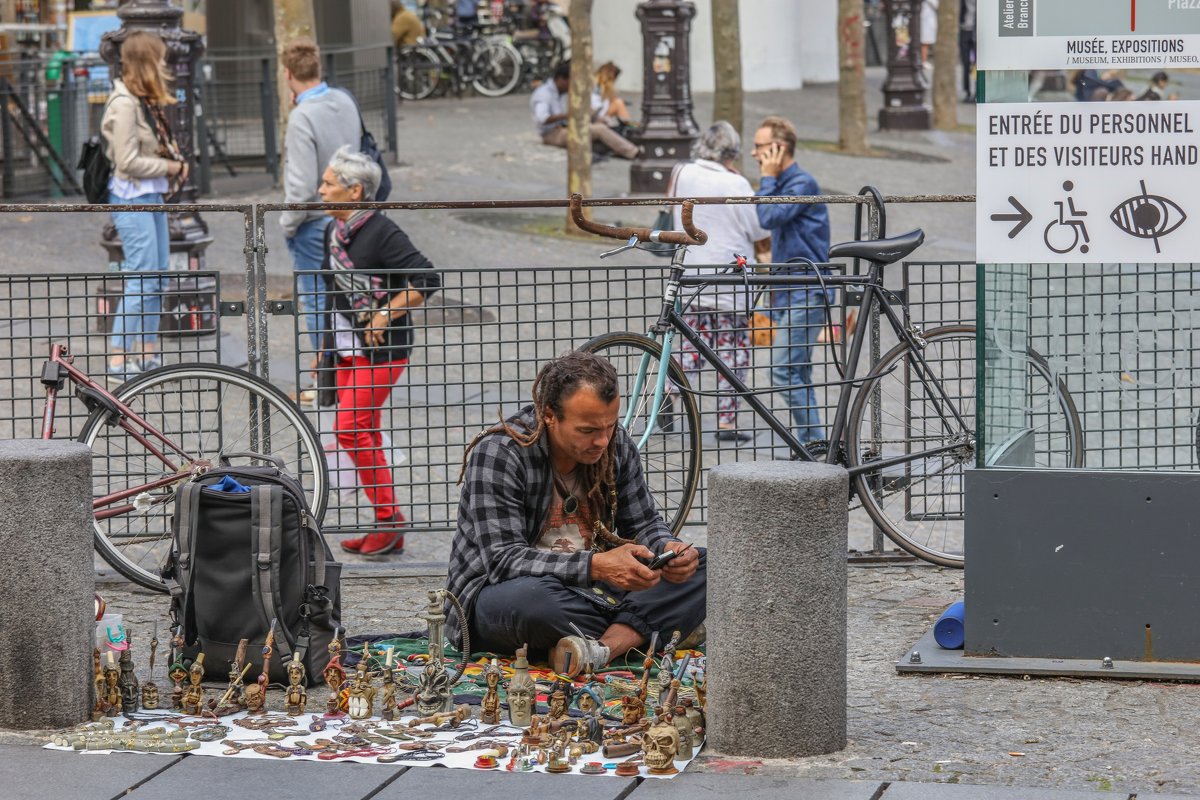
column 243, row 559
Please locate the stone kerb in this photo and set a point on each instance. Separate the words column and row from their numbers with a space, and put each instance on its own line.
column 47, row 571
column 777, row 608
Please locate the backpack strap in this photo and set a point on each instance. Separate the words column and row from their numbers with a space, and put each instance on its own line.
column 187, row 508
column 266, row 514
column 361, row 122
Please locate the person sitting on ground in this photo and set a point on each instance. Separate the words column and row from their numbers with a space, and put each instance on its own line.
column 373, row 276
column 548, row 104
column 554, row 519
column 610, row 108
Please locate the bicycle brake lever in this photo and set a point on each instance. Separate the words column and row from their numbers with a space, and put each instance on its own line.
column 632, row 243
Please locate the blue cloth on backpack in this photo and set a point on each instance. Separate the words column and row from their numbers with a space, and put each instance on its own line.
column 229, row 484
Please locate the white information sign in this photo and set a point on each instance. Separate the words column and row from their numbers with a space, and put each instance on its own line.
column 1087, row 182
column 1088, row 34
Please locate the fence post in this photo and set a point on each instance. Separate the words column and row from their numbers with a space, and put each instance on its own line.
column 330, row 72
column 874, row 232
column 70, row 133
column 389, row 99
column 204, row 182
column 7, row 181
column 268, row 115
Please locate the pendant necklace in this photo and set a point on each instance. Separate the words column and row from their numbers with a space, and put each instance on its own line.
column 570, row 503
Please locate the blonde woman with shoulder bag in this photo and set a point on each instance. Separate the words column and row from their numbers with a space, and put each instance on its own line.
column 147, row 169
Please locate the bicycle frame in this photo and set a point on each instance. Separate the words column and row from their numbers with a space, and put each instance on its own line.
column 671, row 321
column 55, row 372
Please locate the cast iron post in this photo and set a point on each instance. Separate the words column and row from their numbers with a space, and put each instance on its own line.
column 668, row 129
column 904, row 90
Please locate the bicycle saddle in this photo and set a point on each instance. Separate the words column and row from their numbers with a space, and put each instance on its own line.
column 880, row 251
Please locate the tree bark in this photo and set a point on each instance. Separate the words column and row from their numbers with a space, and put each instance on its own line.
column 728, row 102
column 293, row 19
column 852, row 97
column 579, row 105
column 945, row 61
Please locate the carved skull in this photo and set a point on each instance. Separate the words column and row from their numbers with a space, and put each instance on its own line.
column 661, row 744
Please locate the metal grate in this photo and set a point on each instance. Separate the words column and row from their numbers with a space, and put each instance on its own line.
column 79, row 311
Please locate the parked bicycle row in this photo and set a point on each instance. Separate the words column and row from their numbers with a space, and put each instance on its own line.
column 501, row 48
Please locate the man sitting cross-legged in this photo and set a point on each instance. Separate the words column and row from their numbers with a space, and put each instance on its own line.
column 553, row 518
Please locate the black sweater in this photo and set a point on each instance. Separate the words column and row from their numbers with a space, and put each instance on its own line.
column 380, row 247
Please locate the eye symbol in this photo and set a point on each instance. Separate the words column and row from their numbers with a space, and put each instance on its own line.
column 1148, row 216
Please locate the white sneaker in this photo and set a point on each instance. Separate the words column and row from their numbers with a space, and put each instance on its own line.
column 582, row 652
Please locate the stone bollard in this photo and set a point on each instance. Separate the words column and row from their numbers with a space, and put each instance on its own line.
column 777, row 608
column 47, row 571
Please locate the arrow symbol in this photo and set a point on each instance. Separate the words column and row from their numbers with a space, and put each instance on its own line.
column 1022, row 217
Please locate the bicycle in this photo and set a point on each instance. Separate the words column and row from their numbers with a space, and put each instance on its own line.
column 904, row 435
column 444, row 62
column 169, row 425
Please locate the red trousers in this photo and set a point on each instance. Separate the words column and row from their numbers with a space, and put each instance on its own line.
column 362, row 389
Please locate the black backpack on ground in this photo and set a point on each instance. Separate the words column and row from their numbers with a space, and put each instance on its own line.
column 242, row 559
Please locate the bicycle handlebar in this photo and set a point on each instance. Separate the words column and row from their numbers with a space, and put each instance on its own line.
column 689, row 235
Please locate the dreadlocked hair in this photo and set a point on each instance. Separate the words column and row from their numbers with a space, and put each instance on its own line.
column 558, row 380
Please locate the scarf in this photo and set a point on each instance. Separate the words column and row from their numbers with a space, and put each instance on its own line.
column 362, row 290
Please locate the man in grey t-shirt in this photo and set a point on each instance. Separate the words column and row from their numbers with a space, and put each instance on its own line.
column 322, row 120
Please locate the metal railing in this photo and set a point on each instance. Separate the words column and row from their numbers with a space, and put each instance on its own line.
column 1123, row 340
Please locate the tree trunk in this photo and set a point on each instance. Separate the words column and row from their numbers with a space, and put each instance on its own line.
column 579, row 105
column 727, row 64
column 293, row 19
column 852, row 97
column 945, row 60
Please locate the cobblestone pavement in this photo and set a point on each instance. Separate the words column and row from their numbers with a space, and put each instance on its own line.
column 1127, row 736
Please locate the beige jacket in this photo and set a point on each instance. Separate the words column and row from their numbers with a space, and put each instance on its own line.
column 129, row 140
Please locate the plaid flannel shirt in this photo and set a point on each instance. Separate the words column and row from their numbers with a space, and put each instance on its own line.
column 503, row 505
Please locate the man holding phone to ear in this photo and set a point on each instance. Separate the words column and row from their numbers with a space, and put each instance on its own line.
column 798, row 231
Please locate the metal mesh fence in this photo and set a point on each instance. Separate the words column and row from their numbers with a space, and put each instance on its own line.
column 1122, row 337
column 80, row 311
column 478, row 344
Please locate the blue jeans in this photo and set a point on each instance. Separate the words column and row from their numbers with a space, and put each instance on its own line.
column 307, row 248
column 146, row 244
column 797, row 329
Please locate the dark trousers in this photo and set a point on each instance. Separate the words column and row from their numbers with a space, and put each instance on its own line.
column 537, row 611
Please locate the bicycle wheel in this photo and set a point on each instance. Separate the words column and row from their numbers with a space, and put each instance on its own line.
column 205, row 410
column 418, row 72
column 918, row 504
column 497, row 69
column 671, row 456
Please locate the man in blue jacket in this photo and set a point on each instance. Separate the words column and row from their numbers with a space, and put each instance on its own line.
column 798, row 231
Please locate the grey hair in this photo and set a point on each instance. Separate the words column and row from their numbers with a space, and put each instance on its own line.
column 352, row 168
column 719, row 143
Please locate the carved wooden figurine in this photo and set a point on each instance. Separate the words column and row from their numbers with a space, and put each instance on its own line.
column 193, row 695
column 296, row 698
column 661, row 745
column 150, row 688
column 335, row 677
column 112, row 693
column 361, row 699
column 131, row 695
column 489, row 707
column 520, row 692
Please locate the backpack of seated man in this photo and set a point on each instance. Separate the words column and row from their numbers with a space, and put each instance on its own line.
column 247, row 552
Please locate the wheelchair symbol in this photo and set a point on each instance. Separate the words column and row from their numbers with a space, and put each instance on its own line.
column 1067, row 232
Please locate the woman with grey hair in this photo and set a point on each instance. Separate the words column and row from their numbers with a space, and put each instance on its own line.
column 720, row 314
column 373, row 276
